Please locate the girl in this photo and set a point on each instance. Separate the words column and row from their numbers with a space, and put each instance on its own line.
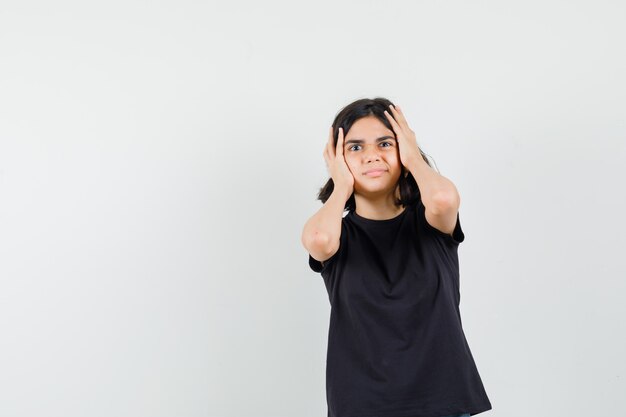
column 396, row 346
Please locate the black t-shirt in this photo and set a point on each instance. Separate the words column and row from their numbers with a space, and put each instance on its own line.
column 396, row 346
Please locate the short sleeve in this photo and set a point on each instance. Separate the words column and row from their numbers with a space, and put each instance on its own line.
column 457, row 235
column 317, row 265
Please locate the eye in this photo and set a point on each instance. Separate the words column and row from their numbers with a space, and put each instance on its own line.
column 382, row 143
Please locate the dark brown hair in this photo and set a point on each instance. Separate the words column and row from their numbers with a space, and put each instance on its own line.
column 409, row 191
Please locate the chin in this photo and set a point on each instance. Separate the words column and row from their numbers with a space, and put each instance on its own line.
column 370, row 189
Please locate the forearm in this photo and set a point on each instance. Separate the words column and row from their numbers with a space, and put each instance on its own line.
column 325, row 225
column 435, row 189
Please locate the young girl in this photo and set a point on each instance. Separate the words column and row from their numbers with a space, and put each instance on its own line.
column 396, row 346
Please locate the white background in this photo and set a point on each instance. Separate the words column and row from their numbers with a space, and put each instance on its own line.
column 159, row 159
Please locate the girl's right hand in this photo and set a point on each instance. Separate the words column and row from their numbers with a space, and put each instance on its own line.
column 336, row 163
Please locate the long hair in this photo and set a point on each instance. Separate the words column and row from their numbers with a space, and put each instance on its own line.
column 407, row 186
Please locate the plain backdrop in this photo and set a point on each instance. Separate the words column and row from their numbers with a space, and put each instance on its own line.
column 158, row 161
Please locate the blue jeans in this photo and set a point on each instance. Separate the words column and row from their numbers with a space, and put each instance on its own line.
column 459, row 415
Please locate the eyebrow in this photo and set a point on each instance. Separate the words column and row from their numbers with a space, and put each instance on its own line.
column 380, row 139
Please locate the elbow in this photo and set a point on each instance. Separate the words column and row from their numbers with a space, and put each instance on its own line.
column 321, row 246
column 445, row 200
column 314, row 239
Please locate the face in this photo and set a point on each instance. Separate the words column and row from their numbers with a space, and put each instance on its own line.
column 369, row 144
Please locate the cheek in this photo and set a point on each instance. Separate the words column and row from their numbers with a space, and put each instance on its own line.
column 393, row 158
column 351, row 164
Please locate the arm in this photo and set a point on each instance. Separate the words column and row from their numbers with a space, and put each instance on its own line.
column 439, row 195
column 321, row 233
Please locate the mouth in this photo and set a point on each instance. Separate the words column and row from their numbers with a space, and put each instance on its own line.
column 375, row 172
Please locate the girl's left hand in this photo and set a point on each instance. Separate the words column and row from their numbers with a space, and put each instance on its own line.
column 407, row 142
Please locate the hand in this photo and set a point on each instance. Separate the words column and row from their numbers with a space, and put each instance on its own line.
column 407, row 143
column 336, row 164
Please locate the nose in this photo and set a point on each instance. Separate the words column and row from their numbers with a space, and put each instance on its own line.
column 370, row 154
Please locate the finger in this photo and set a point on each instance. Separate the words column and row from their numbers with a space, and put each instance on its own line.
column 329, row 146
column 399, row 116
column 396, row 127
column 339, row 150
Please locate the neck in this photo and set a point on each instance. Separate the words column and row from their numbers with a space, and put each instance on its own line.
column 381, row 208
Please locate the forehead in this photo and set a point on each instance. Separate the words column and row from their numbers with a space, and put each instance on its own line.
column 368, row 128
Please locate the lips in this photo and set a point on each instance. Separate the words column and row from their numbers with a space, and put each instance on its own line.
column 375, row 170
